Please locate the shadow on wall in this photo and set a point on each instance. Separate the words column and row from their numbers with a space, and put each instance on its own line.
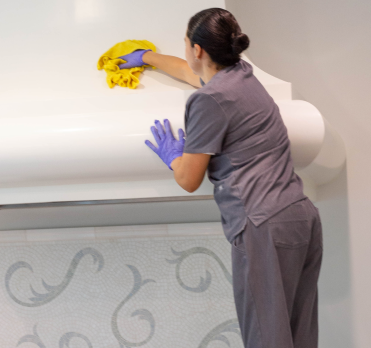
column 335, row 278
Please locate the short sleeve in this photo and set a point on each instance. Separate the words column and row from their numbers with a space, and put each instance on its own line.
column 205, row 123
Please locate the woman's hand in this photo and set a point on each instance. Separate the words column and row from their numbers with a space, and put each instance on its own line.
column 189, row 169
column 168, row 147
column 133, row 59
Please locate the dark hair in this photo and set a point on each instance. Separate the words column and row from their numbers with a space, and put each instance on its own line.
column 216, row 30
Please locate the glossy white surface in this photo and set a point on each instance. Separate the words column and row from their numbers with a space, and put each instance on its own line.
column 104, row 153
column 49, row 50
column 66, row 136
column 109, row 146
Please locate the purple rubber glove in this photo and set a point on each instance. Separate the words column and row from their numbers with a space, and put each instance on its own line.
column 133, row 59
column 168, row 147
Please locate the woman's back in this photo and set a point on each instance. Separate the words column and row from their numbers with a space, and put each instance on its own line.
column 234, row 118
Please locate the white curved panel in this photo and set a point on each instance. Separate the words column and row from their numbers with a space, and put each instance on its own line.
column 74, row 147
column 65, row 136
column 101, row 147
column 45, row 146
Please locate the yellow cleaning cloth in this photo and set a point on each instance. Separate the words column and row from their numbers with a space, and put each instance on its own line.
column 109, row 61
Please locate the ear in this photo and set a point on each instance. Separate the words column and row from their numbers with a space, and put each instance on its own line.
column 198, row 51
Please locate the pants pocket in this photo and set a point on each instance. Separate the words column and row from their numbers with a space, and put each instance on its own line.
column 238, row 243
column 290, row 234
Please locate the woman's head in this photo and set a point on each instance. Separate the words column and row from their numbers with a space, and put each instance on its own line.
column 217, row 32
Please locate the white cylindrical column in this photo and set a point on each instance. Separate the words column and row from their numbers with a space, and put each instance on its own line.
column 106, row 146
column 306, row 130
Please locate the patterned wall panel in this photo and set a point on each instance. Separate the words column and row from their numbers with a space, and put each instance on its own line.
column 168, row 292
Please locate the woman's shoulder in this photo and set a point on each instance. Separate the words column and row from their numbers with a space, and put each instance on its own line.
column 200, row 97
column 223, row 83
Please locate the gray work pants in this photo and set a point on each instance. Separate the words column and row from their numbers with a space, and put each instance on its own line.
column 275, row 272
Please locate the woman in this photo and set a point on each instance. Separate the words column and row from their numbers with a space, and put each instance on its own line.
column 235, row 131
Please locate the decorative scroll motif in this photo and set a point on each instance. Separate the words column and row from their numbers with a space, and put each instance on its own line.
column 32, row 338
column 66, row 338
column 52, row 291
column 143, row 314
column 216, row 334
column 204, row 282
column 64, row 341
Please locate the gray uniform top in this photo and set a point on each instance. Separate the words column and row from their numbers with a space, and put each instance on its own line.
column 234, row 118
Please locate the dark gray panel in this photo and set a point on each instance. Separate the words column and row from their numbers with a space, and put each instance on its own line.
column 85, row 215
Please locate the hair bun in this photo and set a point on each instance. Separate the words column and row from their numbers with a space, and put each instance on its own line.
column 240, row 43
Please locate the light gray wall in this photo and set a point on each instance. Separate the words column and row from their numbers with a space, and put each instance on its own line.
column 323, row 48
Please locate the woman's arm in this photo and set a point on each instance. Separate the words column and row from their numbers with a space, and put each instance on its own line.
column 189, row 170
column 174, row 66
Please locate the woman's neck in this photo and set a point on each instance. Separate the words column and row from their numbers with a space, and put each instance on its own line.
column 209, row 71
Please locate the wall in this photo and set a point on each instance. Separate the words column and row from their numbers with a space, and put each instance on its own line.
column 322, row 48
column 152, row 286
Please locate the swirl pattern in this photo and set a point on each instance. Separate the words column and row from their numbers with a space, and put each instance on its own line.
column 143, row 314
column 216, row 334
column 204, row 282
column 64, row 341
column 51, row 291
column 96, row 312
